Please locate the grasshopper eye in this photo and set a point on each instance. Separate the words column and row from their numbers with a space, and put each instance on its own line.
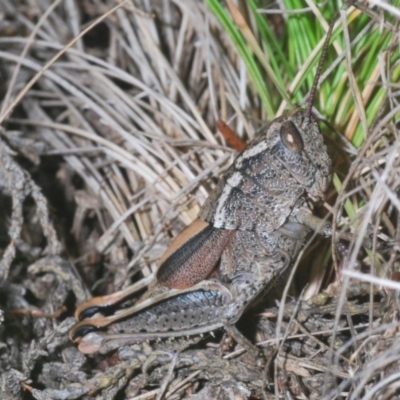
column 290, row 137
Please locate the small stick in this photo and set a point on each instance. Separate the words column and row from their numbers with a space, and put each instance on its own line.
column 230, row 136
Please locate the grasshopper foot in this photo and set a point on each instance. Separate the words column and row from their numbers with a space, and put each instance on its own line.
column 253, row 351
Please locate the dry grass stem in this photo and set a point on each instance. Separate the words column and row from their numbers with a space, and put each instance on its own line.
column 109, row 147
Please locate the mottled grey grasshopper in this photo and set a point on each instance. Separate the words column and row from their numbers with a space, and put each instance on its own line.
column 248, row 233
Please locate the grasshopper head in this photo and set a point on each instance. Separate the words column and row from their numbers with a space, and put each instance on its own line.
column 297, row 143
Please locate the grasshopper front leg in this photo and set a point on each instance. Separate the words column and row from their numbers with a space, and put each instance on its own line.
column 323, row 227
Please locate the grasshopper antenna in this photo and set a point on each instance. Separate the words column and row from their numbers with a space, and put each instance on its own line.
column 319, row 69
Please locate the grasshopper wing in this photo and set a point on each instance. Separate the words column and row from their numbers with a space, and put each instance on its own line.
column 193, row 255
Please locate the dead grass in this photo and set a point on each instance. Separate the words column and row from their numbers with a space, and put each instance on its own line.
column 118, row 130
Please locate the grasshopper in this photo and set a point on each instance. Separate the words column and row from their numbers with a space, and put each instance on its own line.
column 247, row 235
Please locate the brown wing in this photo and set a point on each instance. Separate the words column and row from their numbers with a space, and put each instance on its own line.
column 193, row 255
